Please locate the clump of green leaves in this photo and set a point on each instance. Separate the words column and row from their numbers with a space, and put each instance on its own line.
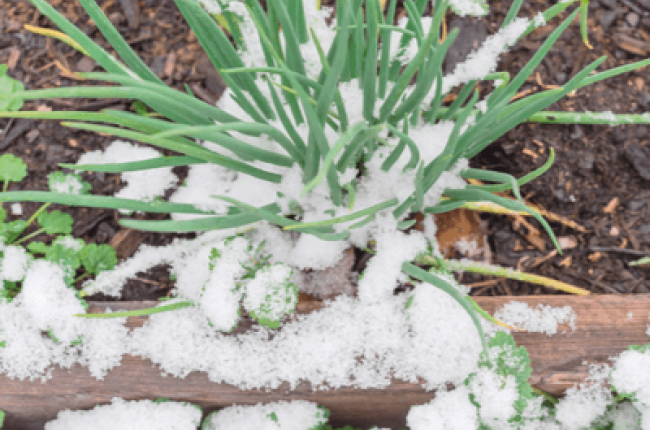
column 77, row 259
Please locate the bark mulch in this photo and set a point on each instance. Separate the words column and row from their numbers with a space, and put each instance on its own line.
column 600, row 179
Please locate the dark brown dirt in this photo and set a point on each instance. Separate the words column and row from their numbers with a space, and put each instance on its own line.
column 598, row 178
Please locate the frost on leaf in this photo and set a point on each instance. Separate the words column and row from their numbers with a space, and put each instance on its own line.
column 59, row 182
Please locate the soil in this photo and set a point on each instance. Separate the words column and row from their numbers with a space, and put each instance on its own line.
column 600, row 179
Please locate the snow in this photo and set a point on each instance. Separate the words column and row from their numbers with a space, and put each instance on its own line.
column 384, row 269
column 141, row 185
column 50, row 302
column 16, row 209
column 496, row 395
column 133, row 415
column 294, row 415
column 482, row 62
column 71, row 185
column 14, row 263
column 449, row 410
column 543, row 319
column 585, row 403
column 362, row 342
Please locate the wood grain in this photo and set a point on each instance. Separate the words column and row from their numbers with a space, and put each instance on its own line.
column 603, row 330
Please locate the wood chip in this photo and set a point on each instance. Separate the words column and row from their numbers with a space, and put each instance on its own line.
column 169, row 64
column 611, row 206
column 632, row 45
column 14, row 56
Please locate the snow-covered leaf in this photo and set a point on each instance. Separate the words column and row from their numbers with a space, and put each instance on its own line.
column 71, row 183
column 271, row 295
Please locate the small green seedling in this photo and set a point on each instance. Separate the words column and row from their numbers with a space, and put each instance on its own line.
column 9, row 86
column 77, row 259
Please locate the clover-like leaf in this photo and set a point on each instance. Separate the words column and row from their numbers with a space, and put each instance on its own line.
column 12, row 168
column 71, row 183
column 9, row 86
column 66, row 258
column 37, row 247
column 11, row 230
column 96, row 258
column 55, row 222
column 511, row 360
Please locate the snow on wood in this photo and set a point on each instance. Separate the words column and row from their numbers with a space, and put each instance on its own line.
column 602, row 330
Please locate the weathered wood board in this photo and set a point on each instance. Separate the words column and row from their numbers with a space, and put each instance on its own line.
column 604, row 329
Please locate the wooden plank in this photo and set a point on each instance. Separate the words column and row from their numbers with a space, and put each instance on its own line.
column 603, row 330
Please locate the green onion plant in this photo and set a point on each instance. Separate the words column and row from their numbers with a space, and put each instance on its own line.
column 276, row 94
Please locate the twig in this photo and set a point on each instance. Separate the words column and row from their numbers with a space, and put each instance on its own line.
column 620, row 250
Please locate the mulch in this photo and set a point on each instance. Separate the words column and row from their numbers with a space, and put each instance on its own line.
column 600, row 179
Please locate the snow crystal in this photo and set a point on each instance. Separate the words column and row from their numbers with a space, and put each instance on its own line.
column 130, row 415
column 141, row 185
column 294, row 415
column 544, row 319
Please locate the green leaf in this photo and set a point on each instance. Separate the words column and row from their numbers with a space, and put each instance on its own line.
column 55, row 222
column 9, row 86
column 71, row 183
column 3, row 215
column 10, row 231
column 96, row 258
column 65, row 257
column 2, row 413
column 12, row 168
column 509, row 359
column 38, row 248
